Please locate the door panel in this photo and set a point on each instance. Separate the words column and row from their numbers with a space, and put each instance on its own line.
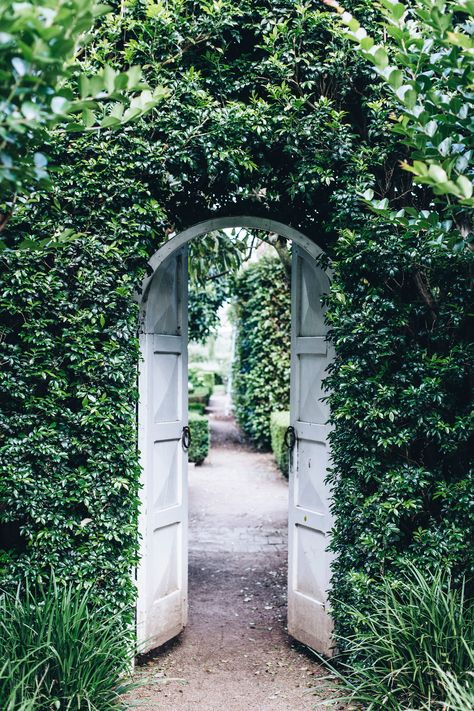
column 309, row 516
column 163, row 411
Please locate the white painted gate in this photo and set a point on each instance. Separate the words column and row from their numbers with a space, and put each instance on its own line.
column 163, row 412
column 309, row 515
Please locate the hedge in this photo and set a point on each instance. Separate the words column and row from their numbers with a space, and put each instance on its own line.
column 199, row 395
column 401, row 412
column 199, row 448
column 240, row 134
column 279, row 422
column 261, row 368
column 198, row 407
column 69, row 475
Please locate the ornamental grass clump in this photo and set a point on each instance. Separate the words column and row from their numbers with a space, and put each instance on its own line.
column 59, row 651
column 414, row 651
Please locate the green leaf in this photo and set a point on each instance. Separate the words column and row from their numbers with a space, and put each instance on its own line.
column 437, row 173
column 460, row 40
column 395, row 78
column 407, row 95
column 380, row 57
column 465, row 186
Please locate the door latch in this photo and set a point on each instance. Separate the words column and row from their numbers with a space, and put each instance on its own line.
column 186, row 438
column 290, row 437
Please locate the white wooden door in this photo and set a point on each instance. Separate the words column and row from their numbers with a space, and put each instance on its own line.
column 163, row 412
column 309, row 515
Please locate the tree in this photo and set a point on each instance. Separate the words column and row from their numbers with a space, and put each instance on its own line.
column 428, row 65
column 43, row 86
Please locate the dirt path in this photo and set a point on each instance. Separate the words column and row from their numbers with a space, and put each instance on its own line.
column 235, row 654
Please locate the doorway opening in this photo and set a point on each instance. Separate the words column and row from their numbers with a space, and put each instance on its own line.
column 162, row 577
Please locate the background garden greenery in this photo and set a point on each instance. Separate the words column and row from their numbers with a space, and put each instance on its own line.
column 261, row 367
column 269, row 113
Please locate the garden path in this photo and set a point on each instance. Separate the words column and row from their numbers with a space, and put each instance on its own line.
column 235, row 654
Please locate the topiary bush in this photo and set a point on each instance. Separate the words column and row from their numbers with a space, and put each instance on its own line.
column 198, row 407
column 200, row 438
column 279, row 422
column 261, row 368
column 199, row 395
column 201, row 385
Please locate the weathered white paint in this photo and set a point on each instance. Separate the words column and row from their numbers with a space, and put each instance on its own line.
column 163, row 302
column 309, row 518
column 163, row 412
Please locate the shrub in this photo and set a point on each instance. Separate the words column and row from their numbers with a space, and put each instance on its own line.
column 197, row 407
column 200, row 395
column 262, row 361
column 60, row 651
column 68, row 463
column 202, row 383
column 416, row 648
column 208, row 380
column 279, row 422
column 199, row 448
column 400, row 411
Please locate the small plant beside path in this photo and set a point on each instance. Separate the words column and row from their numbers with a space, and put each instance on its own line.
column 59, row 652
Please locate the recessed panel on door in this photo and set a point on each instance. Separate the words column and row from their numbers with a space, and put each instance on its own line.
column 311, row 577
column 310, row 309
column 162, row 573
column 166, row 575
column 311, row 490
column 309, row 516
column 166, row 479
column 312, row 406
column 167, row 385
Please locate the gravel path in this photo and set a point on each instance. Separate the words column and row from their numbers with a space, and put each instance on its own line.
column 235, row 654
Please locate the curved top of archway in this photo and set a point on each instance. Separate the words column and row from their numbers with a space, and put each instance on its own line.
column 219, row 223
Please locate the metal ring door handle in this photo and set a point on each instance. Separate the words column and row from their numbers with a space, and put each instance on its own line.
column 186, row 438
column 290, row 437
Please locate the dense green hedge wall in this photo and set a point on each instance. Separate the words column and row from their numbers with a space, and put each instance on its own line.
column 279, row 422
column 261, row 369
column 68, row 465
column 199, row 448
column 401, row 408
column 268, row 115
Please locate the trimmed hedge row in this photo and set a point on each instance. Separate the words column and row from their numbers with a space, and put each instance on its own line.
column 200, row 438
column 279, row 422
column 401, row 411
column 261, row 368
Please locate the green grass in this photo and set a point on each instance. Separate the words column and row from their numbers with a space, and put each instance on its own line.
column 58, row 651
column 414, row 651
